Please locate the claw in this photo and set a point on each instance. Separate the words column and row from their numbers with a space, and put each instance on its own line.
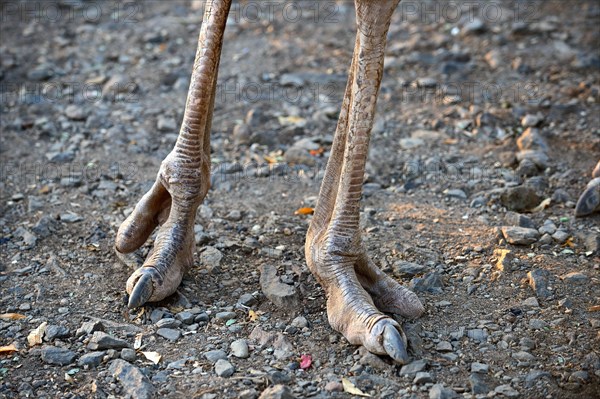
column 142, row 291
column 589, row 201
column 395, row 344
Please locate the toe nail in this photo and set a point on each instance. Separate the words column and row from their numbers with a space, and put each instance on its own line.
column 142, row 292
column 394, row 345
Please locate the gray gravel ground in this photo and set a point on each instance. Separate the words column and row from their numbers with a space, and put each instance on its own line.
column 483, row 116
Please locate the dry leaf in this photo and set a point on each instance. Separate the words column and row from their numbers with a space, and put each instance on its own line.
column 12, row 316
column 352, row 389
column 543, row 205
column 315, row 153
column 154, row 357
column 35, row 336
column 305, row 211
column 7, row 350
column 292, row 120
column 137, row 343
column 252, row 315
column 595, row 308
column 271, row 160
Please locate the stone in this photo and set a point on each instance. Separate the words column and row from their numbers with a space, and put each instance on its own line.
column 545, row 239
column 135, row 384
column 91, row 359
column 505, row 258
column 282, row 295
column 214, row 355
column 247, row 300
column 101, row 340
column 479, row 385
column 520, row 235
column 531, row 139
column 299, row 156
column 224, row 369
column 507, row 391
column 369, row 359
column 334, row 386
column 169, row 333
column 408, row 143
column 408, row 269
column 413, row 367
column 478, row 202
column 591, row 241
column 529, row 121
column 54, row 331
column 283, row 347
column 560, row 196
column 538, row 280
column 427, row 82
column 527, row 168
column 477, row 334
column 299, row 322
column 561, row 236
column 519, row 198
column 249, row 393
column 539, row 158
column 571, row 278
column 177, row 364
column 477, row 367
column 548, row 227
column 456, row 193
column 225, row 315
column 239, row 348
column 168, row 322
column 523, row 356
column 29, row 240
column 234, row 215
column 128, row 355
column 166, row 124
column 89, row 327
column 443, row 346
column 438, row 391
column 535, row 375
column 57, row 356
column 537, row 324
column 518, row 219
column 75, row 112
column 277, row 392
column 70, row 217
column 431, row 282
column 210, row 258
column 185, row 317
column 530, row 302
column 422, row 377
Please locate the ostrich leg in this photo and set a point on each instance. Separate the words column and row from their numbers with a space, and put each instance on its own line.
column 357, row 291
column 182, row 181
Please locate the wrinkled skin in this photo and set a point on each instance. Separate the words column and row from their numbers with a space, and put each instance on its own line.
column 358, row 294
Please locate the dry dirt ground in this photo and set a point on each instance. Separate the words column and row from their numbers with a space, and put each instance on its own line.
column 92, row 94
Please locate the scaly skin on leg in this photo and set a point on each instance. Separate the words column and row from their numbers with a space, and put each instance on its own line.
column 357, row 291
column 182, row 181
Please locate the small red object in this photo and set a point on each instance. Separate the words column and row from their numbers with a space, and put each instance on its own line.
column 305, row 361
